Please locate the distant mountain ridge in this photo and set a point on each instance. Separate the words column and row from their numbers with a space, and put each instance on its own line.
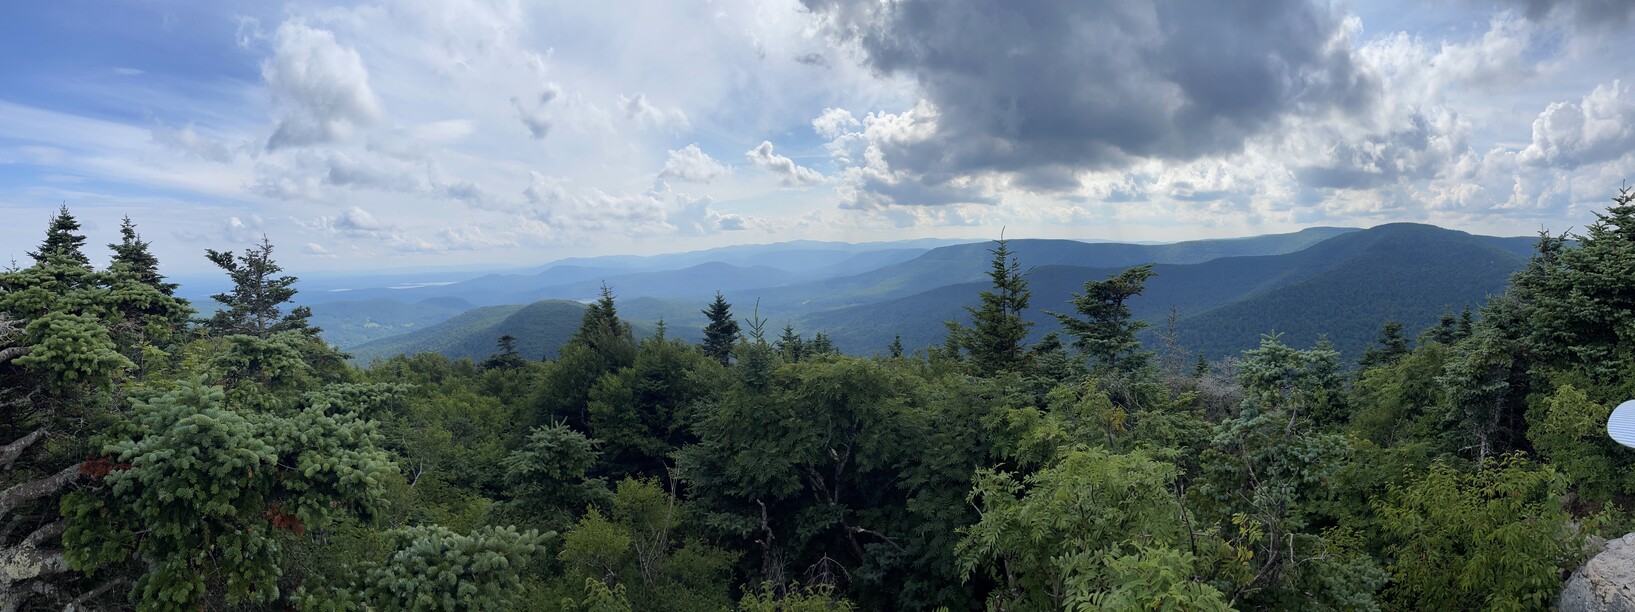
column 1341, row 282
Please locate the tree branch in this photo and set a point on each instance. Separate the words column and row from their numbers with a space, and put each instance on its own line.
column 29, row 491
column 13, row 352
column 10, row 452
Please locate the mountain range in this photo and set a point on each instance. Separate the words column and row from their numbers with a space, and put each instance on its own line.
column 1342, row 283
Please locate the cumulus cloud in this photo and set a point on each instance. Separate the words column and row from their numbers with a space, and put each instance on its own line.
column 638, row 109
column 568, row 212
column 691, row 164
column 1076, row 85
column 354, row 222
column 1597, row 128
column 323, row 85
column 316, row 250
column 789, row 173
column 834, row 122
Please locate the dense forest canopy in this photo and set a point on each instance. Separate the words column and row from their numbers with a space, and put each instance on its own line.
column 158, row 458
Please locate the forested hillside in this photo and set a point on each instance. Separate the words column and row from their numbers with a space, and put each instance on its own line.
column 156, row 457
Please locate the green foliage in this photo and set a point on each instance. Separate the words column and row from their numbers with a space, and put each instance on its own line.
column 1075, row 533
column 73, row 350
column 722, row 331
column 994, row 340
column 1570, row 431
column 198, row 490
column 1494, row 539
column 436, row 569
column 255, row 304
column 62, row 242
column 642, row 549
column 1106, row 332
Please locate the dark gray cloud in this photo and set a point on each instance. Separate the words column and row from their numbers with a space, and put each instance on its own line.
column 1595, row 13
column 1026, row 84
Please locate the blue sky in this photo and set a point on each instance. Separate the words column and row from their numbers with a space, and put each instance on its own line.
column 456, row 132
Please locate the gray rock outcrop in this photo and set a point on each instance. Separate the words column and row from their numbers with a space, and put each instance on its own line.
column 1606, row 583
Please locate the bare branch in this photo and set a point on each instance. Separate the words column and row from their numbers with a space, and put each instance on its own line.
column 10, row 353
column 35, row 489
column 10, row 452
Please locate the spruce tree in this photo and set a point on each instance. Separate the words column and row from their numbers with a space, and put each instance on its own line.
column 896, row 347
column 254, row 306
column 790, row 344
column 722, row 331
column 601, row 328
column 132, row 259
column 1391, row 346
column 994, row 340
column 1106, row 333
column 62, row 241
column 506, row 358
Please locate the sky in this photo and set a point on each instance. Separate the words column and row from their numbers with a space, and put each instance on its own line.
column 417, row 133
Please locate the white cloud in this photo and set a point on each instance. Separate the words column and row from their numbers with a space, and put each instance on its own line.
column 690, row 164
column 1597, row 128
column 788, row 172
column 324, row 86
column 639, row 109
column 190, row 142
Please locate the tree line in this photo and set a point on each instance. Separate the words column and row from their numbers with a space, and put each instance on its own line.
column 158, row 460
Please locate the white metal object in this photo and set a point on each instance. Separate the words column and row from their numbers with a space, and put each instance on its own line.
column 1621, row 425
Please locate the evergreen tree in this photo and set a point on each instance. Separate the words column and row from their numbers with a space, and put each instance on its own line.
column 132, row 259
column 790, row 344
column 821, row 345
column 1391, row 346
column 1106, row 334
column 722, row 331
column 507, row 358
column 1446, row 330
column 995, row 339
column 896, row 347
column 62, row 241
column 254, row 306
column 1466, row 324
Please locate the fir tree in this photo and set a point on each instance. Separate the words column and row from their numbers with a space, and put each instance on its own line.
column 507, row 358
column 896, row 347
column 994, row 340
column 790, row 344
column 132, row 259
column 601, row 327
column 1106, row 334
column 1392, row 345
column 62, row 241
column 821, row 345
column 1466, row 324
column 254, row 306
column 722, row 331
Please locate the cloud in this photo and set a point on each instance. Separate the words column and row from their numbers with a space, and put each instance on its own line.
column 1597, row 128
column 323, row 85
column 190, row 142
column 355, row 222
column 128, row 72
column 533, row 114
column 1608, row 14
column 789, row 173
column 834, row 122
column 1079, row 85
column 639, row 109
column 316, row 250
column 690, row 164
column 568, row 213
column 813, row 59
